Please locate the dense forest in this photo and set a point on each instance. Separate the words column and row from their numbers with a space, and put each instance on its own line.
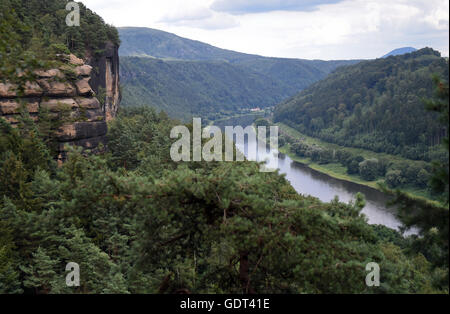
column 196, row 88
column 186, row 77
column 376, row 105
column 137, row 222
column 38, row 25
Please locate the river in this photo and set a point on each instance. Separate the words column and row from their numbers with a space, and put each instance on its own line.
column 307, row 181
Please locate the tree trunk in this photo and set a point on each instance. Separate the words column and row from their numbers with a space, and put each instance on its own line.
column 244, row 276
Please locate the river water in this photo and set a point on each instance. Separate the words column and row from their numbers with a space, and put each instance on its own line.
column 307, row 181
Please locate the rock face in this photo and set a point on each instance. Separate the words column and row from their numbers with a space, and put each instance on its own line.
column 105, row 79
column 67, row 90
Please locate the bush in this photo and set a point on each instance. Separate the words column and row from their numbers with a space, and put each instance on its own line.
column 326, row 156
column 342, row 156
column 59, row 49
column 422, row 178
column 368, row 169
column 353, row 164
column 281, row 141
column 394, row 178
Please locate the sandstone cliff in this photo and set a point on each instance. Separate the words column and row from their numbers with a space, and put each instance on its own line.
column 105, row 79
column 71, row 88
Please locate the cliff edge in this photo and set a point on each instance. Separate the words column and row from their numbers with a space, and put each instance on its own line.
column 81, row 96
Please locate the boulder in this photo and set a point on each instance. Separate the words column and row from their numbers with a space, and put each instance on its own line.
column 49, row 73
column 30, row 89
column 75, row 60
column 84, row 70
column 83, row 87
column 55, row 88
column 88, row 103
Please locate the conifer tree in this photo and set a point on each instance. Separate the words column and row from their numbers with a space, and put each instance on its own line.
column 40, row 273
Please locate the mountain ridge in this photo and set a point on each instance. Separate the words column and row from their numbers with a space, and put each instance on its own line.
column 280, row 77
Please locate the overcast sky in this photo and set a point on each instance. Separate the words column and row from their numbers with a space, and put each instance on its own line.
column 309, row 29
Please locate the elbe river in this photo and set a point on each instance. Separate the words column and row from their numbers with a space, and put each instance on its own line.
column 307, row 181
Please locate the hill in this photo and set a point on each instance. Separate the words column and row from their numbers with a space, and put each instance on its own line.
column 400, row 51
column 285, row 77
column 205, row 88
column 376, row 105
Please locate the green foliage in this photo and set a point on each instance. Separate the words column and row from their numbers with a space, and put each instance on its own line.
column 292, row 74
column 196, row 88
column 185, row 77
column 396, row 173
column 440, row 104
column 431, row 219
column 137, row 222
column 395, row 179
column 147, row 147
column 34, row 31
column 40, row 274
column 353, row 164
column 369, row 169
column 9, row 273
column 22, row 154
column 361, row 106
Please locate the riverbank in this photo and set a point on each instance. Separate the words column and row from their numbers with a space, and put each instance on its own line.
column 336, row 170
column 250, row 116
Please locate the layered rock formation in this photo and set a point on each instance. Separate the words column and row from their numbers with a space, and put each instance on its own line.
column 65, row 90
column 105, row 79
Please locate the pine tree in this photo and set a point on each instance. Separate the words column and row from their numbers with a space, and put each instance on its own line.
column 40, row 274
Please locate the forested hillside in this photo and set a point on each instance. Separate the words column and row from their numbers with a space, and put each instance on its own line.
column 296, row 73
column 38, row 28
column 376, row 105
column 217, row 78
column 206, row 88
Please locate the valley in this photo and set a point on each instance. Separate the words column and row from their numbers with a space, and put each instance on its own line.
column 189, row 78
column 330, row 113
column 101, row 154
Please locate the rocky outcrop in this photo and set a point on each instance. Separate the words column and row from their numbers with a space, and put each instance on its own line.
column 105, row 79
column 63, row 92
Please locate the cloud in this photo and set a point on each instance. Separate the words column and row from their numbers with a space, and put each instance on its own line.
column 348, row 29
column 200, row 17
column 187, row 14
column 214, row 22
column 251, row 6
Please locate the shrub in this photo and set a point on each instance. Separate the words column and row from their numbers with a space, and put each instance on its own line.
column 368, row 169
column 394, row 178
column 353, row 164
